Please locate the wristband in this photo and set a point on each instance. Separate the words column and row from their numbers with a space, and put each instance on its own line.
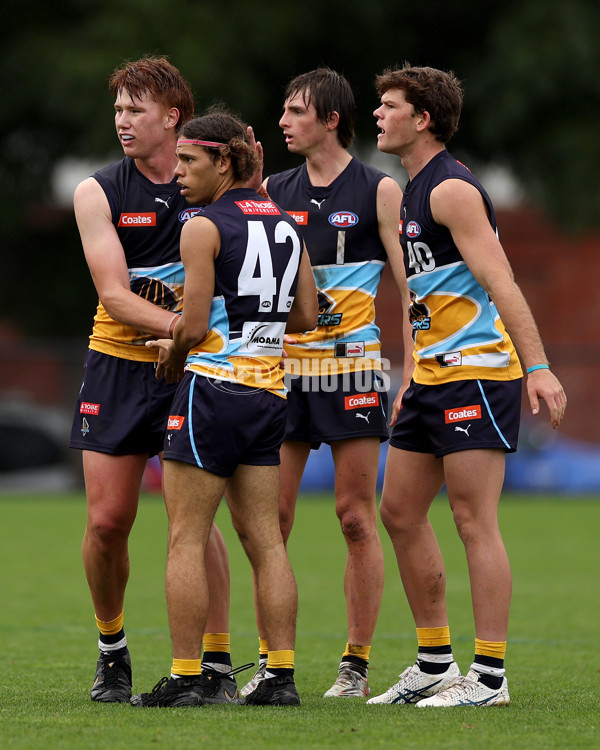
column 533, row 368
column 171, row 327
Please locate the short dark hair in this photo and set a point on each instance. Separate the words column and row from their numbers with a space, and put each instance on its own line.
column 328, row 92
column 218, row 125
column 428, row 90
column 159, row 78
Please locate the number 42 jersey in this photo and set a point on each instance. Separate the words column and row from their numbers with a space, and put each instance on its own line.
column 256, row 275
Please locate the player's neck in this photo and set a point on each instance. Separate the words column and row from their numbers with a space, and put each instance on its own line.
column 419, row 156
column 160, row 167
column 326, row 165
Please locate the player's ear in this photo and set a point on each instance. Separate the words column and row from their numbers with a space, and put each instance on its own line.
column 333, row 120
column 171, row 118
column 223, row 163
column 423, row 120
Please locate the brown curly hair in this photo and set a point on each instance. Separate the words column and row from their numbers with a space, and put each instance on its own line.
column 220, row 126
column 428, row 90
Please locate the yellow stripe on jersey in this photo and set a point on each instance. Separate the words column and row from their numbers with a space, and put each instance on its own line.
column 119, row 340
column 495, row 360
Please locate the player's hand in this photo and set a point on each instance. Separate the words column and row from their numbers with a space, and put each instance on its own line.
column 543, row 384
column 287, row 339
column 168, row 366
column 255, row 181
column 397, row 405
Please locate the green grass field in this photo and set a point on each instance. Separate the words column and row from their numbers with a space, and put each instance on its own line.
column 49, row 638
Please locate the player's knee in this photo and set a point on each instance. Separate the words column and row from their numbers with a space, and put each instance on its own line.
column 286, row 522
column 394, row 521
column 465, row 523
column 355, row 526
column 109, row 530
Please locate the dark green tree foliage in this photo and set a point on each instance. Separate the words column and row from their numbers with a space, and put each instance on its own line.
column 530, row 72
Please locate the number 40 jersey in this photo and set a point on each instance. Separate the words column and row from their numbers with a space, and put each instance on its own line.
column 256, row 278
column 457, row 332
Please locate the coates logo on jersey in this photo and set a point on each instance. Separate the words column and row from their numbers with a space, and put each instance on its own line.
column 300, row 217
column 188, row 213
column 461, row 413
column 87, row 408
column 137, row 220
column 413, row 229
column 361, row 400
column 343, row 219
column 175, row 423
column 261, row 208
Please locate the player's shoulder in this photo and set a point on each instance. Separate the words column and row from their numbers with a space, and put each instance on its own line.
column 288, row 175
column 115, row 168
column 360, row 171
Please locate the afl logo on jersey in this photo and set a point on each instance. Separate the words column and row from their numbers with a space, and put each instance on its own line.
column 413, row 229
column 343, row 219
column 188, row 213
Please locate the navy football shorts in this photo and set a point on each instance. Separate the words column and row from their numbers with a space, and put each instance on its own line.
column 122, row 408
column 458, row 416
column 218, row 425
column 323, row 409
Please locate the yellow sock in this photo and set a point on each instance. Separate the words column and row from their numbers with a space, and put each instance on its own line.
column 362, row 652
column 492, row 649
column 433, row 637
column 186, row 667
column 217, row 642
column 280, row 660
column 263, row 648
column 111, row 627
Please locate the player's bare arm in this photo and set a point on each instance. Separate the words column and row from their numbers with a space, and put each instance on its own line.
column 459, row 206
column 305, row 309
column 389, row 198
column 199, row 246
column 106, row 260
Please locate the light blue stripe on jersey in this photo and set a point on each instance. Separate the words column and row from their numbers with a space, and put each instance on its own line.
column 489, row 411
column 190, row 423
column 172, row 273
column 456, row 280
column 218, row 322
column 362, row 277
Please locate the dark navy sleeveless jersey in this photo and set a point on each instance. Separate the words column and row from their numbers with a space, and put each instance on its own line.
column 148, row 218
column 146, row 215
column 348, row 205
column 341, row 232
column 256, row 275
column 457, row 331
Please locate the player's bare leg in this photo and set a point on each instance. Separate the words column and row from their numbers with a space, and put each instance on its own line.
column 356, row 462
column 253, row 498
column 219, row 585
column 293, row 455
column 474, row 481
column 192, row 496
column 217, row 567
column 412, row 480
column 112, row 487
